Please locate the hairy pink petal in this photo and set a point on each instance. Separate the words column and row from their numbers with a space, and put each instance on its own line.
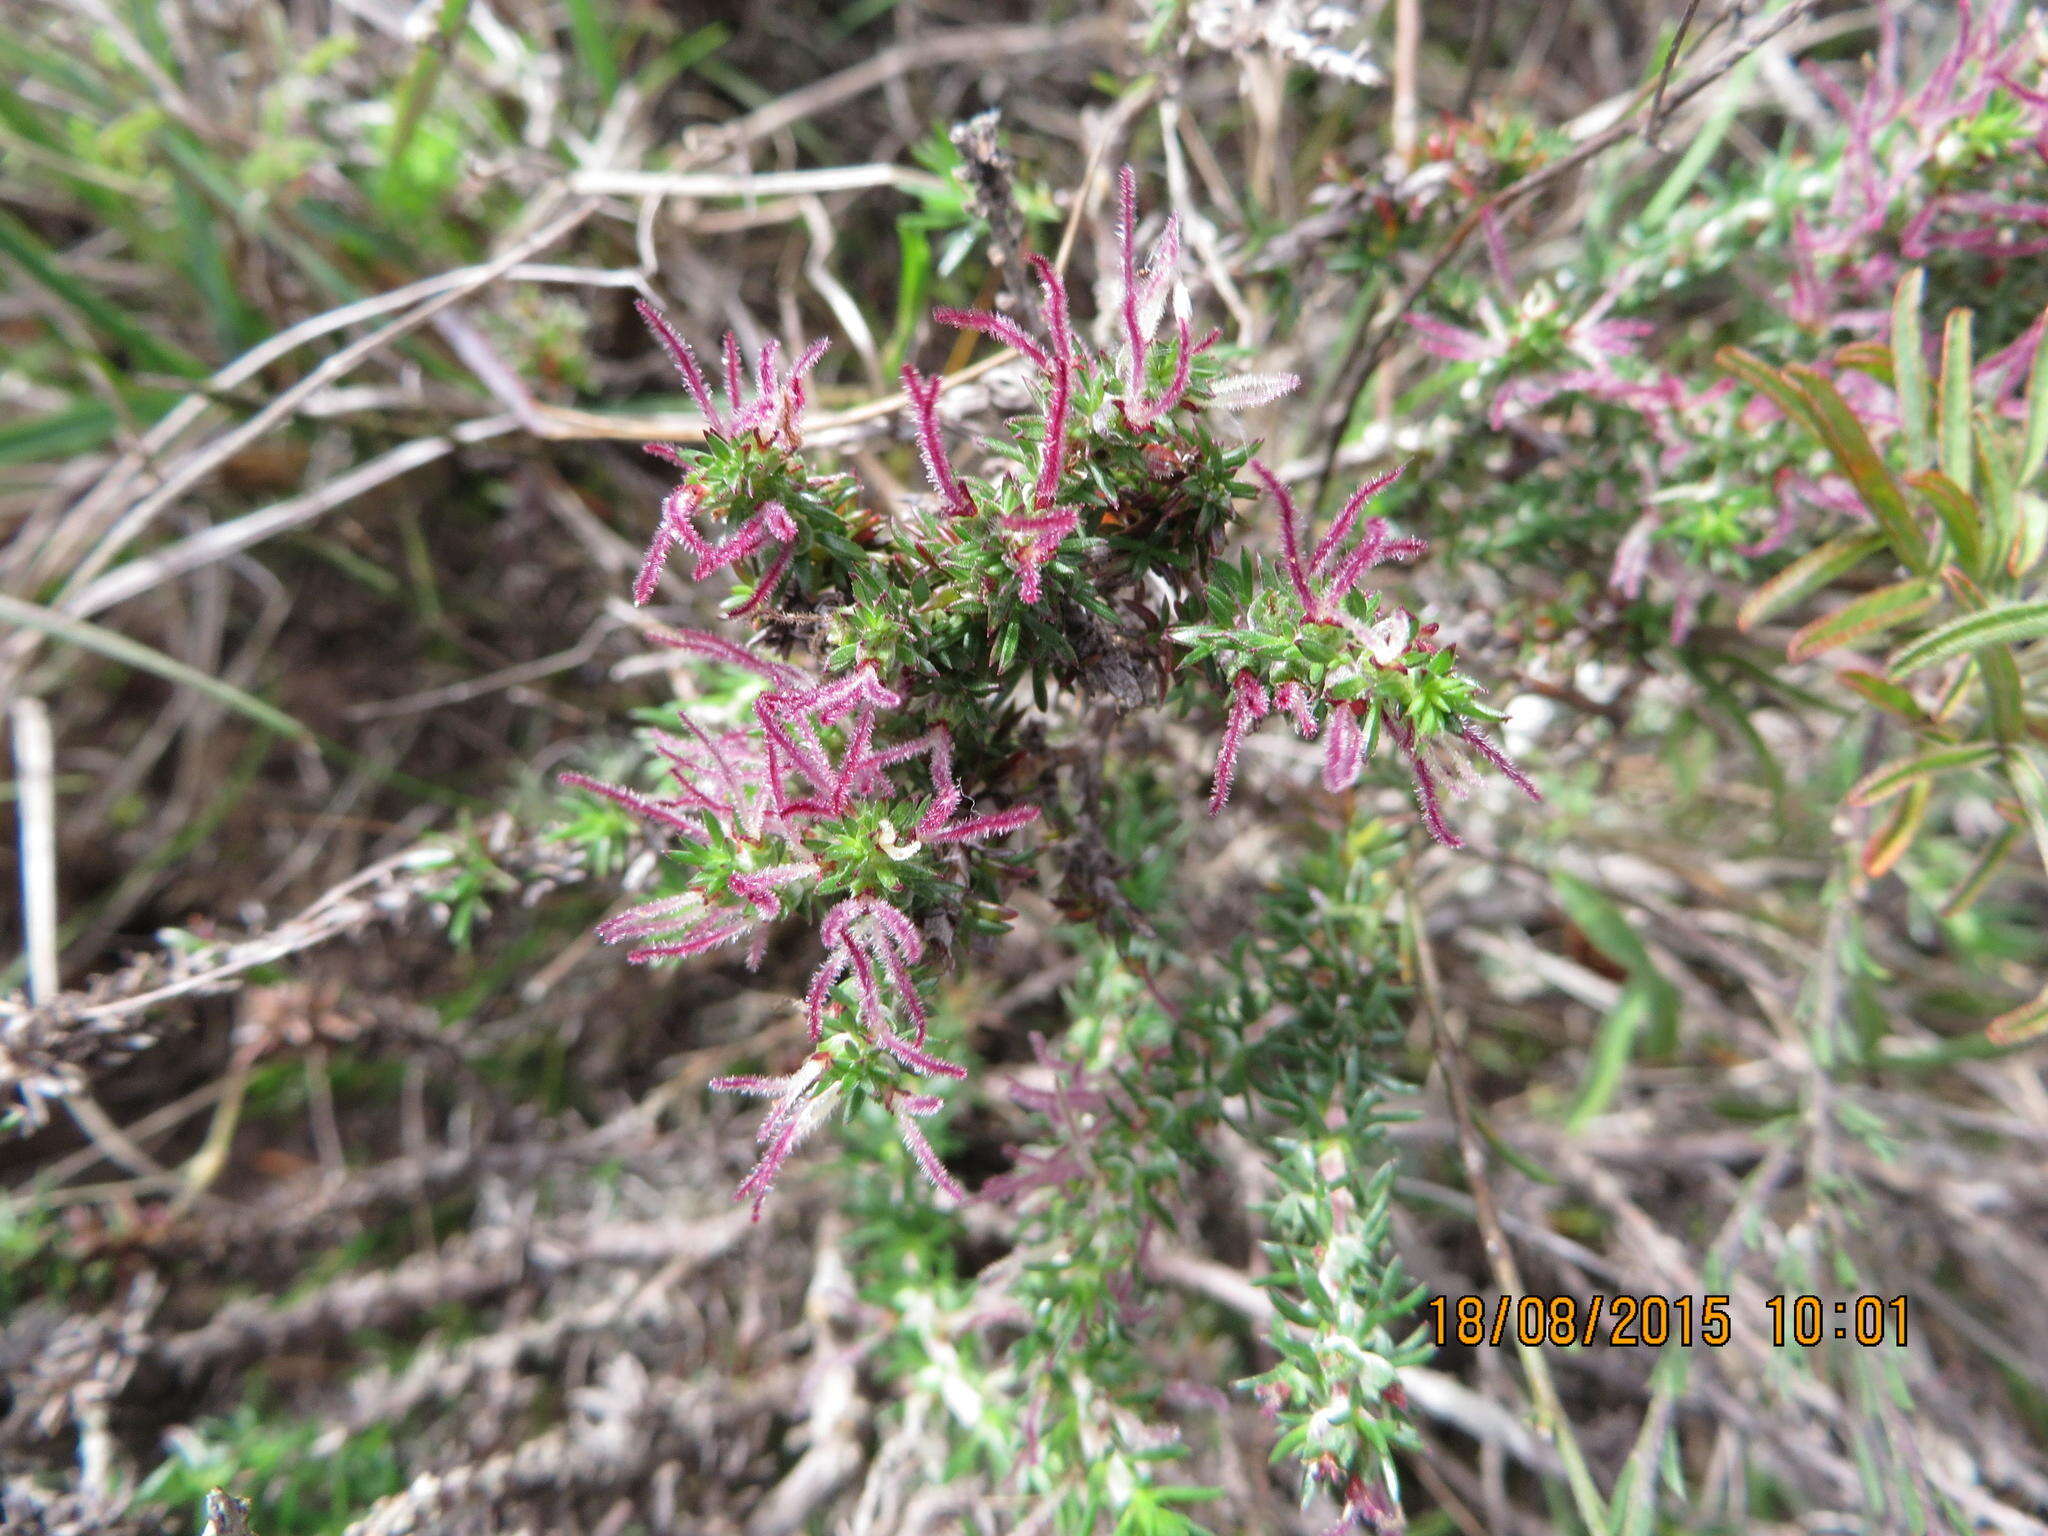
column 1327, row 545
column 1142, row 413
column 770, row 580
column 753, row 1085
column 1060, row 381
column 759, row 886
column 686, row 364
column 735, row 377
column 1343, row 749
column 1426, row 796
column 716, row 929
column 1452, row 342
column 1248, row 391
column 994, row 824
column 997, row 328
column 1290, row 539
column 1493, row 754
column 918, row 1060
column 716, row 648
column 926, row 1158
column 1248, row 705
column 1294, row 698
column 818, row 996
column 663, row 915
column 931, row 442
column 634, row 801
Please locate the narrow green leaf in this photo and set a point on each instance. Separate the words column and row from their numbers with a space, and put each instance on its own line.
column 1882, row 783
column 2021, row 1023
column 2006, row 624
column 1851, row 447
column 1888, row 844
column 20, row 244
column 1871, row 357
column 1971, row 886
column 1700, row 151
column 2007, row 695
column 1601, row 921
column 117, row 647
column 1766, row 380
column 1909, row 366
column 1609, row 931
column 2029, row 534
column 2036, row 448
column 1957, row 462
column 1959, row 514
column 1612, row 1047
column 589, row 36
column 416, row 91
column 1871, row 614
column 1997, row 494
column 1809, row 573
column 1884, row 693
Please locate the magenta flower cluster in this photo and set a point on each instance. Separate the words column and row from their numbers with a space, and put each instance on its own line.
column 775, row 795
column 773, row 419
column 1896, row 165
column 939, row 613
column 1391, row 644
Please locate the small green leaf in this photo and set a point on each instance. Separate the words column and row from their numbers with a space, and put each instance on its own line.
column 1971, row 886
column 2029, row 534
column 1601, row 921
column 1762, row 377
column 2006, row 624
column 1997, row 497
column 1957, row 462
column 1850, row 444
column 2036, row 448
column 1809, row 573
column 1871, row 614
column 1882, row 783
column 1888, row 844
column 1909, row 366
column 2021, row 1023
column 1959, row 514
column 1884, row 693
column 1612, row 1048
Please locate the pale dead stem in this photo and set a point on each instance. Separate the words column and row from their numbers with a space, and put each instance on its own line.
column 36, row 810
column 466, row 1271
column 50, row 1046
column 196, row 465
column 1551, row 1419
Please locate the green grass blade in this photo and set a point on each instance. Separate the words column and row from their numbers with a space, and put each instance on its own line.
column 2036, row 448
column 1882, row 783
column 590, row 38
column 1909, row 367
column 2006, row 624
column 117, row 647
column 1809, row 573
column 20, row 245
column 1612, row 1048
column 1852, row 450
column 1957, row 462
column 1871, row 614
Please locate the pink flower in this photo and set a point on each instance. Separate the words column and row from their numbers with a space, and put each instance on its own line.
column 774, row 417
column 1320, row 579
column 775, row 413
column 1142, row 306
